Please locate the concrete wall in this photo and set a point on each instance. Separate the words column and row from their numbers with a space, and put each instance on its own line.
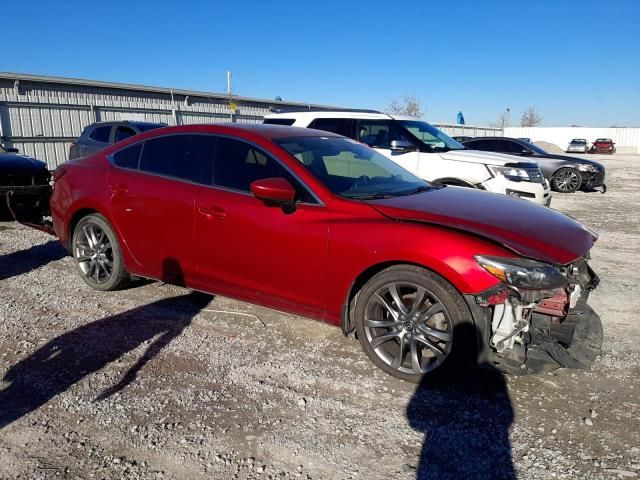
column 627, row 140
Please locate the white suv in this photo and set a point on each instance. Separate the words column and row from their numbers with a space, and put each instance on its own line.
column 427, row 152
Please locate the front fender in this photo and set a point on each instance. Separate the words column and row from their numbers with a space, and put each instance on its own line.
column 447, row 252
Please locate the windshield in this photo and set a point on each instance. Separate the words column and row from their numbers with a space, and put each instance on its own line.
column 433, row 138
column 578, row 140
column 535, row 148
column 351, row 169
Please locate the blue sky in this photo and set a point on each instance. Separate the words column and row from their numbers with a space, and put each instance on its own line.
column 575, row 61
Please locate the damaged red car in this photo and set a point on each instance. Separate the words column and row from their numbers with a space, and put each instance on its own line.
column 603, row 145
column 429, row 278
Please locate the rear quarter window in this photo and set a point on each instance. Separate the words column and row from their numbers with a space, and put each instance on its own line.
column 129, row 157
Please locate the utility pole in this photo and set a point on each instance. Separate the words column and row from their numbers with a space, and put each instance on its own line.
column 229, row 74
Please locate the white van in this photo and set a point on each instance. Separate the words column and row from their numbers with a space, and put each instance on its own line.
column 427, row 152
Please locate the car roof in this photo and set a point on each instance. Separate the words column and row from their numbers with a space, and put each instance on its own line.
column 126, row 122
column 357, row 114
column 269, row 132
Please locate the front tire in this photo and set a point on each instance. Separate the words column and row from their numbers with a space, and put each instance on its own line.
column 96, row 250
column 566, row 180
column 413, row 324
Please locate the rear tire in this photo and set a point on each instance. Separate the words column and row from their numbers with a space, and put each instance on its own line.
column 96, row 250
column 413, row 324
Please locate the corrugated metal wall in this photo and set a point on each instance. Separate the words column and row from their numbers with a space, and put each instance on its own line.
column 41, row 116
column 627, row 140
column 455, row 130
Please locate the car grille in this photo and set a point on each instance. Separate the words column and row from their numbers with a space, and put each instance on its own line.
column 16, row 180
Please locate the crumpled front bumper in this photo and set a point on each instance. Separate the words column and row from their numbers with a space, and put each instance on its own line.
column 28, row 203
column 558, row 335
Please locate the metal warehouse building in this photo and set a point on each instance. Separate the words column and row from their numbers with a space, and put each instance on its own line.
column 42, row 115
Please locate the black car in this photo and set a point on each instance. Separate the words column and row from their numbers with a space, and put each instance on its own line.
column 26, row 182
column 566, row 174
column 100, row 135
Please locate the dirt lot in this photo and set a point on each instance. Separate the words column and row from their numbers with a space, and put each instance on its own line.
column 156, row 382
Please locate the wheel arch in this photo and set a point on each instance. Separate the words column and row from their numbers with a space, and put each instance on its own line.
column 454, row 182
column 73, row 221
column 347, row 323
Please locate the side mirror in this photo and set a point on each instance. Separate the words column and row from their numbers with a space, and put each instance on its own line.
column 526, row 152
column 400, row 146
column 274, row 190
column 12, row 150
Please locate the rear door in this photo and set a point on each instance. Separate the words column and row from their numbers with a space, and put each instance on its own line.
column 255, row 250
column 151, row 190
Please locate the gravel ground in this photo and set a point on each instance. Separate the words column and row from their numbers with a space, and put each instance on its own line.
column 159, row 382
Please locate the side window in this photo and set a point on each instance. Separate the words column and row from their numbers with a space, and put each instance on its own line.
column 101, row 134
column 237, row 164
column 484, row 145
column 279, row 121
column 129, row 157
column 339, row 126
column 378, row 133
column 513, row 148
column 187, row 157
column 123, row 133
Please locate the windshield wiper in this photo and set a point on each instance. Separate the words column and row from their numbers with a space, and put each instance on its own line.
column 374, row 196
column 421, row 188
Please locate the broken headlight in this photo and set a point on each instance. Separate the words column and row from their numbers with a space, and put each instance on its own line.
column 523, row 272
column 585, row 167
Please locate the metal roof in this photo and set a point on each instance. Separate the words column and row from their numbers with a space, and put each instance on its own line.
column 147, row 88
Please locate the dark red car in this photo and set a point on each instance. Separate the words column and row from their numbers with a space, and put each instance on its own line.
column 603, row 145
column 320, row 225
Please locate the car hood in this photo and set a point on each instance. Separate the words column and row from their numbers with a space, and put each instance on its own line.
column 19, row 164
column 569, row 158
column 526, row 228
column 487, row 158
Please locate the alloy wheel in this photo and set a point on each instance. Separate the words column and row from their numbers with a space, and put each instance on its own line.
column 94, row 253
column 567, row 181
column 408, row 328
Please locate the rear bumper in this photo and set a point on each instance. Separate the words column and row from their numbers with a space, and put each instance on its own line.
column 534, row 192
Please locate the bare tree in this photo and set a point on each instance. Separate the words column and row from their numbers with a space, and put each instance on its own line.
column 503, row 120
column 530, row 118
column 410, row 105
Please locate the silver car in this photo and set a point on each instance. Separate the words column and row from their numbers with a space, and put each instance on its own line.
column 100, row 135
column 578, row 145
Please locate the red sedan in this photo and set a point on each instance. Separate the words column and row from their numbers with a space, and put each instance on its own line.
column 319, row 225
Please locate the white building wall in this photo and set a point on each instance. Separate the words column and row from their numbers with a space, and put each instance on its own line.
column 627, row 140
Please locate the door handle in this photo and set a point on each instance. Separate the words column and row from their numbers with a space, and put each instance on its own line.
column 211, row 212
column 118, row 188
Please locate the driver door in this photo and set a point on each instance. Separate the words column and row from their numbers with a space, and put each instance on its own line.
column 379, row 134
column 255, row 250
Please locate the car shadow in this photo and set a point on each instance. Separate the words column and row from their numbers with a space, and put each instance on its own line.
column 67, row 359
column 466, row 421
column 24, row 261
